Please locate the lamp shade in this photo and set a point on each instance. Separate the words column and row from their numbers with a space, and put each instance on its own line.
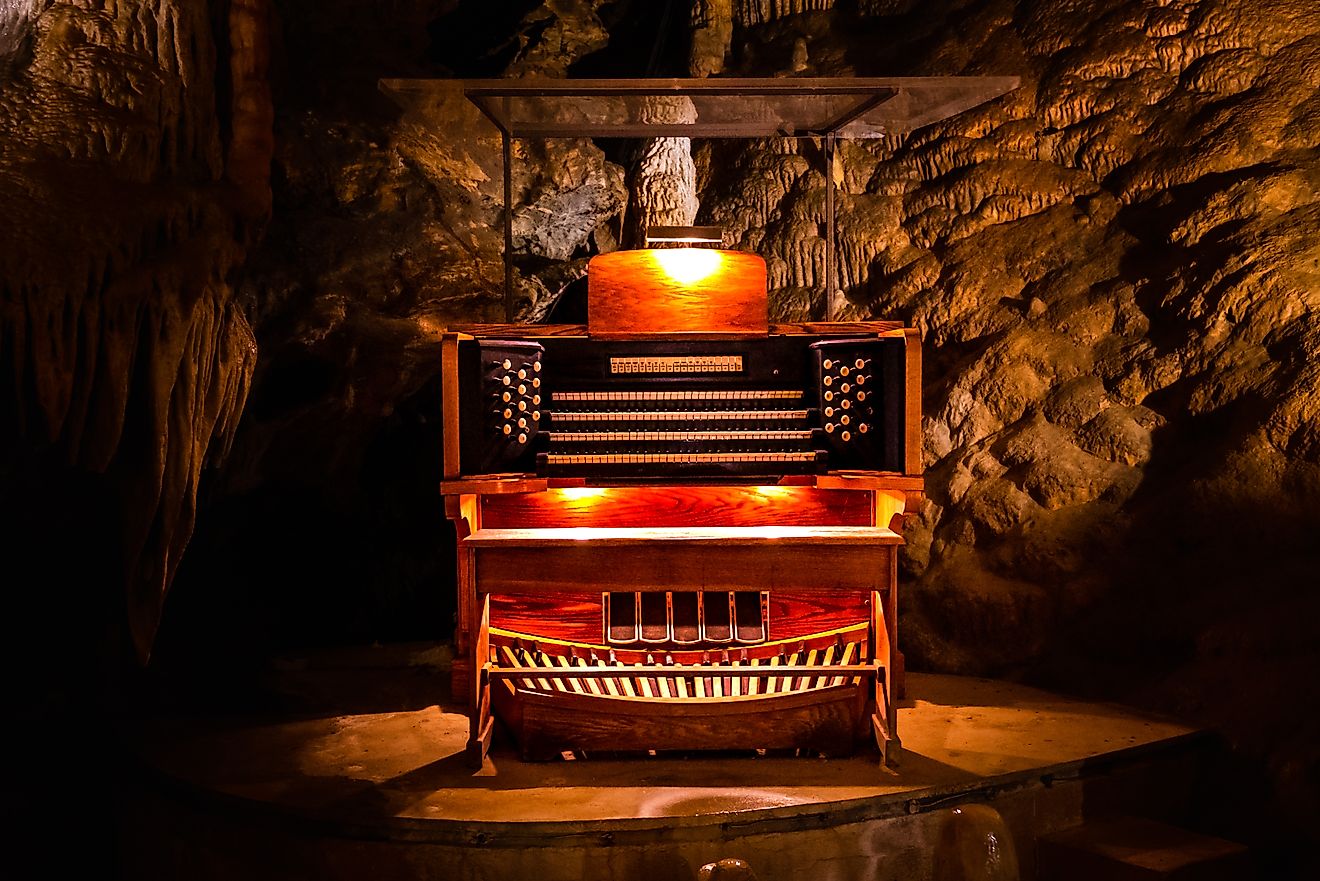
column 676, row 290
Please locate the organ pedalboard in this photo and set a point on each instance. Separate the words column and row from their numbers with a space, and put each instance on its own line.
column 701, row 409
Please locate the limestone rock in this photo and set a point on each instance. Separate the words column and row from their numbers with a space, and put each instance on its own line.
column 712, row 34
column 1114, row 269
column 576, row 192
column 128, row 206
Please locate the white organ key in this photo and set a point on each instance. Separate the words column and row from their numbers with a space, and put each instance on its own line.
column 602, row 436
column 677, row 415
column 686, row 395
column 666, row 458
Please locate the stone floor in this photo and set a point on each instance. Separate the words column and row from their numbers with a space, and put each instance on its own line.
column 403, row 772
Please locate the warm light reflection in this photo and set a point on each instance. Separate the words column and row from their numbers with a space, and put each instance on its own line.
column 773, row 493
column 688, row 265
column 580, row 493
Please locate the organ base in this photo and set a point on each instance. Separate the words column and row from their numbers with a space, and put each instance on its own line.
column 769, row 626
column 817, row 699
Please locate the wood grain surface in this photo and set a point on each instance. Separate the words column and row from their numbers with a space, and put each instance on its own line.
column 779, row 648
column 572, row 617
column 675, row 539
column 782, row 328
column 567, row 567
column 634, row 291
column 575, row 617
column 679, row 506
column 825, row 720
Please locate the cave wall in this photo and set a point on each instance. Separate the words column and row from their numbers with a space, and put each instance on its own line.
column 134, row 154
column 1116, row 272
column 1114, row 269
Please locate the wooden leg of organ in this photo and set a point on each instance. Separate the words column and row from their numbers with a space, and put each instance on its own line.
column 884, row 719
column 481, row 721
column 462, row 513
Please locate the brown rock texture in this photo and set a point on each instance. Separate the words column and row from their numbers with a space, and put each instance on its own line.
column 130, row 182
column 712, row 35
column 1116, row 271
column 386, row 229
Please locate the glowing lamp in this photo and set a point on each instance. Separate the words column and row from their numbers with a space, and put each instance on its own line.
column 676, row 290
column 687, row 266
column 580, row 493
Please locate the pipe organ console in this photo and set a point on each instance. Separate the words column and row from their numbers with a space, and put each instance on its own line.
column 673, row 539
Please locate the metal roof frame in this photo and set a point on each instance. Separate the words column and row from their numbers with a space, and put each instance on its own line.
column 809, row 107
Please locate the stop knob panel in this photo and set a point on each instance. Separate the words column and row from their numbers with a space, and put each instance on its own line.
column 859, row 410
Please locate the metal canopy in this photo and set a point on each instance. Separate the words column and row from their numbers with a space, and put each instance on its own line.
column 869, row 107
column 828, row 108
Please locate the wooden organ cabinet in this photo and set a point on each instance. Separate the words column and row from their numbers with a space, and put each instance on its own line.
column 678, row 525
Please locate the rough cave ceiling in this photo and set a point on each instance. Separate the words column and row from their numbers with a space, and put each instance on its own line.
column 1116, row 270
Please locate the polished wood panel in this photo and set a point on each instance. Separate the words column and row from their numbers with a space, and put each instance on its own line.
column 576, row 617
column 813, row 328
column 852, row 328
column 564, row 567
column 572, row 617
column 465, row 515
column 480, row 719
column 795, row 614
column 763, row 539
column 884, row 713
column 823, row 720
column 449, row 403
column 519, row 331
column 666, row 506
column 494, row 485
column 912, row 401
column 677, row 290
column 732, row 653
column 912, row 485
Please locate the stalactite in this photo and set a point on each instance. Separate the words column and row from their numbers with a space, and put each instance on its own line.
column 753, row 12
column 712, row 33
column 128, row 353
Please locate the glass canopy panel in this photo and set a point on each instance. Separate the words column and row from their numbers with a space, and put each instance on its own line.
column 706, row 108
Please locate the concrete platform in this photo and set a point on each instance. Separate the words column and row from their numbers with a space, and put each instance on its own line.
column 387, row 795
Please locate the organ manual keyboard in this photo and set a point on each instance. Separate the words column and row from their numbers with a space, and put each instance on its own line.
column 678, row 526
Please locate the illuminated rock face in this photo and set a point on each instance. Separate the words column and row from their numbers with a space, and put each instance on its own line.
column 1115, row 270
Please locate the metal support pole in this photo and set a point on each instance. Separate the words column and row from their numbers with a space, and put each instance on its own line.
column 829, row 227
column 507, row 144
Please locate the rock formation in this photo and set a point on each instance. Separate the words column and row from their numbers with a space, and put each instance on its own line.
column 1114, row 268
column 133, row 168
column 1115, row 272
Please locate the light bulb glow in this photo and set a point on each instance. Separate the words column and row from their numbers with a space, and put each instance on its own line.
column 581, row 493
column 688, row 265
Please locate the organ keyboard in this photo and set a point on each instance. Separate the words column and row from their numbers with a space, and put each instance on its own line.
column 773, row 405
column 680, row 543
